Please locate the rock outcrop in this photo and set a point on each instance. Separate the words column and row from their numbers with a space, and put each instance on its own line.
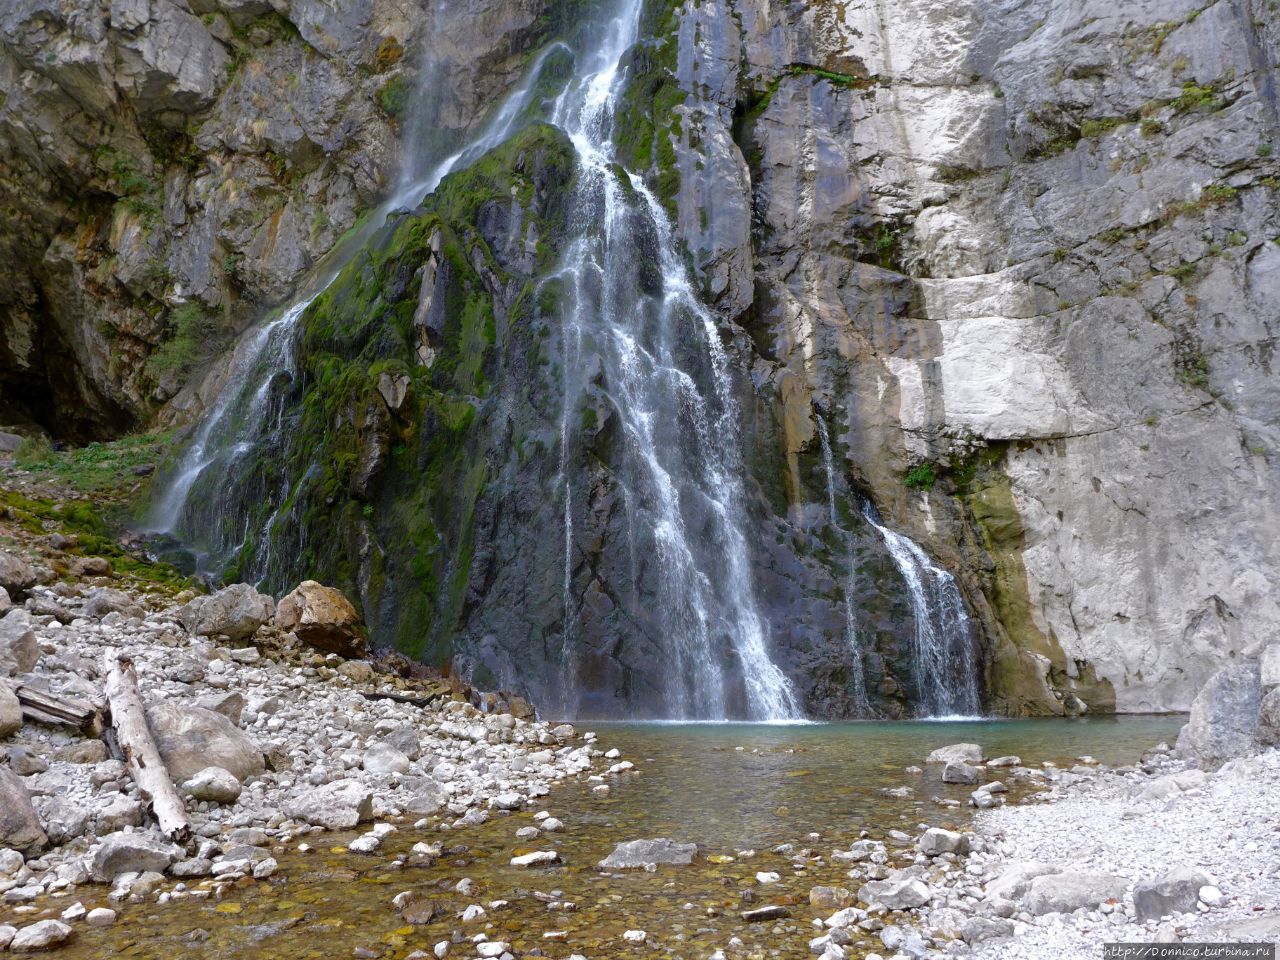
column 171, row 171
column 1017, row 256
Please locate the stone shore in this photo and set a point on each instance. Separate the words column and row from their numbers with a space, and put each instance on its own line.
column 268, row 739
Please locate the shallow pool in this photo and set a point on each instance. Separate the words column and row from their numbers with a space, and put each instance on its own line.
column 729, row 788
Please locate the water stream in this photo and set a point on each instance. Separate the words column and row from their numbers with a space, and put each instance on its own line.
column 856, row 673
column 944, row 651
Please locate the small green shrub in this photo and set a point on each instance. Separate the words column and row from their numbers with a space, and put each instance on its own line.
column 1264, row 150
column 189, row 333
column 1151, row 127
column 1194, row 97
column 922, row 476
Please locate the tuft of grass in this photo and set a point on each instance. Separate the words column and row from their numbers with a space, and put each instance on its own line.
column 104, row 471
column 922, row 476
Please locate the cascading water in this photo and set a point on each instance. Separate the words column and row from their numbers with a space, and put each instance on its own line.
column 943, row 656
column 666, row 378
column 857, row 675
column 247, row 421
column 662, row 371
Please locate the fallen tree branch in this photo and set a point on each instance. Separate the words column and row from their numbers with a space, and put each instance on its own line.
column 404, row 698
column 129, row 718
column 42, row 707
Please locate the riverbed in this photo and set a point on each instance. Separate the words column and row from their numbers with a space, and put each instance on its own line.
column 740, row 792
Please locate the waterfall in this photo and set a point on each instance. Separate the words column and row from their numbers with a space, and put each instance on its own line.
column 857, row 675
column 666, row 377
column 943, row 657
column 667, row 380
column 244, row 425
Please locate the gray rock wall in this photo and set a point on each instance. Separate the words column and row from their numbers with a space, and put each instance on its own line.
column 170, row 170
column 1031, row 245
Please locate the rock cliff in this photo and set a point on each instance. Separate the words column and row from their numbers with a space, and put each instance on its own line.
column 1024, row 253
column 1020, row 256
column 170, row 170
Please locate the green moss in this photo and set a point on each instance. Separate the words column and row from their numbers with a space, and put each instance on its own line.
column 1021, row 648
column 92, row 533
column 393, row 97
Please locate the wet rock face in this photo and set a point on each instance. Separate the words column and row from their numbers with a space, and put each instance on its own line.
column 172, row 171
column 1024, row 246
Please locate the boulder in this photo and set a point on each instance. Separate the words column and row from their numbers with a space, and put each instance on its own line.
column 830, row 898
column 235, row 612
column 124, row 852
column 40, row 936
column 1224, row 717
column 977, row 929
column 5, row 601
column 324, row 618
column 191, row 738
column 1176, row 892
column 937, row 841
column 1068, row 892
column 18, row 648
column 1014, row 880
column 16, row 575
column 1268, row 731
column 214, row 785
column 895, row 894
column 335, row 806
column 383, row 758
column 10, row 711
column 957, row 771
column 636, row 854
column 100, row 601
column 19, row 826
column 956, row 753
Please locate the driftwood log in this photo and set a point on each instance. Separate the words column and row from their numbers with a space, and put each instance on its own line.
column 129, row 719
column 41, row 707
column 404, row 698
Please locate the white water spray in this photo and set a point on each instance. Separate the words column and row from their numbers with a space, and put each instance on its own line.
column 942, row 654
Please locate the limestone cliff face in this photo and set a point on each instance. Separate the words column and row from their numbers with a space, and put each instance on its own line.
column 170, row 169
column 1025, row 255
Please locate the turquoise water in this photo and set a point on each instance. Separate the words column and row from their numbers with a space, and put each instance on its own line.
column 730, row 788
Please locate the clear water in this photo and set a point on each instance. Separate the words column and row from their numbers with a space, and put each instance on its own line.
column 694, row 785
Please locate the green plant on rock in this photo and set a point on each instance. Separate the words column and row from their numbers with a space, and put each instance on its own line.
column 1195, row 97
column 922, row 476
column 393, row 97
column 188, row 338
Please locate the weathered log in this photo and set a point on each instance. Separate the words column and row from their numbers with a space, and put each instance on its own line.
column 129, row 718
column 404, row 698
column 42, row 707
